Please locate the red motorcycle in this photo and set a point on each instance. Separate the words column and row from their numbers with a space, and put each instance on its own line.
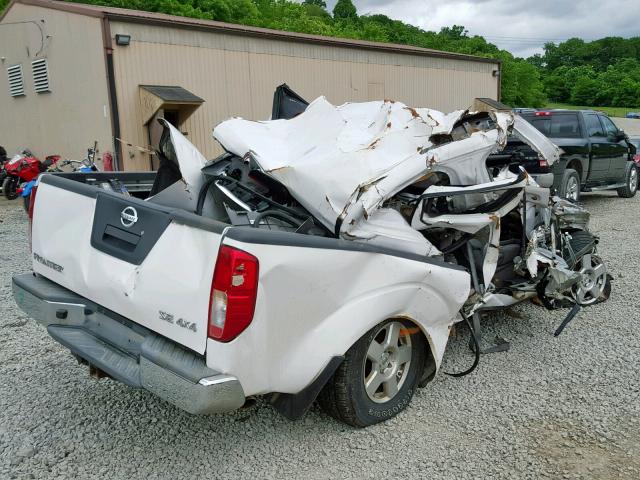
column 22, row 168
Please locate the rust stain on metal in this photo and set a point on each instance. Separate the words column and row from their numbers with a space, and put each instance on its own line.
column 413, row 111
column 495, row 219
column 387, row 100
column 366, row 186
column 409, row 330
column 373, row 144
column 389, row 125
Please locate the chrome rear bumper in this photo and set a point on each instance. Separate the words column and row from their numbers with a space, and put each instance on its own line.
column 125, row 350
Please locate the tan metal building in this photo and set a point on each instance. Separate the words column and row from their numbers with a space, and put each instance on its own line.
column 77, row 73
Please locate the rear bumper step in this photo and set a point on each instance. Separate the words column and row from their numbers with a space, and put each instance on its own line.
column 125, row 350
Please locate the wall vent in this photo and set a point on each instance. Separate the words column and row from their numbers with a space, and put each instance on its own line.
column 16, row 81
column 40, row 75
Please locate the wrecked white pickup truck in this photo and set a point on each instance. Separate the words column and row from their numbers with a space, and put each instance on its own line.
column 326, row 256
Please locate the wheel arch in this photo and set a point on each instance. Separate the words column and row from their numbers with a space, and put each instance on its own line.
column 431, row 365
column 338, row 333
column 577, row 165
column 294, row 406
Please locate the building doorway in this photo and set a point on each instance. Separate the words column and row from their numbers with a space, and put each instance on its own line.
column 174, row 104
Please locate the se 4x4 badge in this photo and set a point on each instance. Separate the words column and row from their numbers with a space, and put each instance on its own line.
column 181, row 322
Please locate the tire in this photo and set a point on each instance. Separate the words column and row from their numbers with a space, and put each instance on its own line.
column 10, row 187
column 630, row 182
column 582, row 242
column 401, row 363
column 570, row 185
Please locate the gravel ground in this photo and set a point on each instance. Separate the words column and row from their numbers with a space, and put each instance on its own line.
column 566, row 407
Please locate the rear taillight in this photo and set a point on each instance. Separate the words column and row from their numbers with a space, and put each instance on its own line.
column 233, row 293
column 32, row 205
column 543, row 114
column 542, row 162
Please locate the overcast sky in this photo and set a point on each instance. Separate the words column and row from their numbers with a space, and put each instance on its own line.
column 520, row 26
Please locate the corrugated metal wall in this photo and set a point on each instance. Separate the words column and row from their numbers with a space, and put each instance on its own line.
column 236, row 76
column 68, row 119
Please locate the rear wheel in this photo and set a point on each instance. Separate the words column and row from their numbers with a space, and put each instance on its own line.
column 570, row 186
column 630, row 182
column 10, row 187
column 379, row 375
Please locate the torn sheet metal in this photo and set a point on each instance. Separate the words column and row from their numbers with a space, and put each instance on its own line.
column 472, row 223
column 536, row 140
column 570, row 214
column 387, row 228
column 183, row 193
column 378, row 148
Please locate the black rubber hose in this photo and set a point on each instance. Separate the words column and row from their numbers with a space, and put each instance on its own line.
column 207, row 185
column 476, row 350
column 276, row 214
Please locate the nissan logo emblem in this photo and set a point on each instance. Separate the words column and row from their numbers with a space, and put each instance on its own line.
column 128, row 216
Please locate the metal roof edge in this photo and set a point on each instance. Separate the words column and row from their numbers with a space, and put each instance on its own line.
column 161, row 19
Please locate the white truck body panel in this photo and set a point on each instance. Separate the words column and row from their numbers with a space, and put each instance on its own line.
column 174, row 278
column 314, row 303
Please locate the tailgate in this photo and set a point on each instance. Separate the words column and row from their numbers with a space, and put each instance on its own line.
column 148, row 263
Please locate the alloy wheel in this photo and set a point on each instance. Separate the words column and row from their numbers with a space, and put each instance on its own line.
column 592, row 282
column 386, row 366
column 573, row 189
column 633, row 180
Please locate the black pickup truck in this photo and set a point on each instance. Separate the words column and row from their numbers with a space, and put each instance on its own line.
column 596, row 154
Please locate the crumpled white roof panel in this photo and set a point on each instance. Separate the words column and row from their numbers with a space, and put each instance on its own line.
column 342, row 162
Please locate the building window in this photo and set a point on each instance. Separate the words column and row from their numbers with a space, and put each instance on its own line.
column 16, row 81
column 40, row 75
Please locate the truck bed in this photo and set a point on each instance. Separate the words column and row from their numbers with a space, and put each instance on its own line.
column 309, row 286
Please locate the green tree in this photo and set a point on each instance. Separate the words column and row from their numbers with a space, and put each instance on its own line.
column 521, row 85
column 584, row 91
column 345, row 10
column 317, row 11
column 242, row 10
column 317, row 3
column 556, row 88
column 628, row 93
column 454, row 32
